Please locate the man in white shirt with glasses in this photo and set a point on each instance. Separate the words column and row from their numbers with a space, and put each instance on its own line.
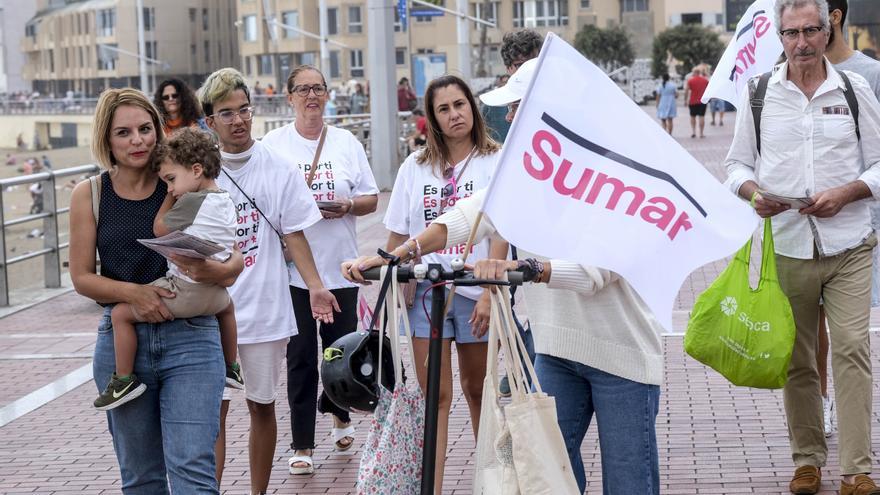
column 809, row 147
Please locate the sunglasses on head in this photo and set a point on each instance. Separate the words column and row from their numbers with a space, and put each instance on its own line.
column 172, row 96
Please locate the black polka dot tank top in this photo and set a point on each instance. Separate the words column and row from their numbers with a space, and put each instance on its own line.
column 121, row 222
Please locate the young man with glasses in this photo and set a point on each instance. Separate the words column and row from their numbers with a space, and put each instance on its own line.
column 274, row 207
column 809, row 147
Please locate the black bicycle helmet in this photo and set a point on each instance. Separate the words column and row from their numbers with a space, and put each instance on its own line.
column 349, row 370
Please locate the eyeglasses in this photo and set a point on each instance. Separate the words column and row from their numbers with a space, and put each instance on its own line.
column 793, row 34
column 304, row 89
column 228, row 116
column 172, row 96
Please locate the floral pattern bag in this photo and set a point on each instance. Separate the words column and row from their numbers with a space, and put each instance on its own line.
column 391, row 462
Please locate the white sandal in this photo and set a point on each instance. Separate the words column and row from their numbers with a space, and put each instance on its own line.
column 306, row 459
column 339, row 434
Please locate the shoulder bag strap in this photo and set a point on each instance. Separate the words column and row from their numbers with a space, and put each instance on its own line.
column 852, row 101
column 314, row 168
column 95, row 183
column 254, row 204
column 756, row 100
column 464, row 167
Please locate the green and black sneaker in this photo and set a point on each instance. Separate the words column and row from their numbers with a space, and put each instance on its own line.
column 233, row 376
column 119, row 391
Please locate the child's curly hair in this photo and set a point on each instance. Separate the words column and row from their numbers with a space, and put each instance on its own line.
column 187, row 147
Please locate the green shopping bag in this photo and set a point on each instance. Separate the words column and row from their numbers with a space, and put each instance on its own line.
column 746, row 335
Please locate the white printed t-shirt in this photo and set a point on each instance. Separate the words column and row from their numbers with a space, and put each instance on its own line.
column 343, row 172
column 208, row 215
column 261, row 294
column 416, row 201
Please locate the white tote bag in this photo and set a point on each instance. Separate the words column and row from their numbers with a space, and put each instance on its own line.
column 521, row 449
column 495, row 473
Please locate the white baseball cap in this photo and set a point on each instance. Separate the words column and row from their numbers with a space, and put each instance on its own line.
column 515, row 88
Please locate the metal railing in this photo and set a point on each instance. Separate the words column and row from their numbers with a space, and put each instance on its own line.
column 263, row 104
column 359, row 125
column 51, row 251
column 48, row 106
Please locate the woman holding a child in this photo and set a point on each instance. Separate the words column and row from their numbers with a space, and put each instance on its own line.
column 166, row 436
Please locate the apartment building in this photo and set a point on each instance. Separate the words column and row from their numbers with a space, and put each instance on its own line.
column 85, row 46
column 268, row 59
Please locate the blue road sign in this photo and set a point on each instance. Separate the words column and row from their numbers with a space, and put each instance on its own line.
column 428, row 12
column 401, row 13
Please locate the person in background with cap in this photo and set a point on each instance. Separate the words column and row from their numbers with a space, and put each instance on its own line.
column 598, row 345
column 517, row 48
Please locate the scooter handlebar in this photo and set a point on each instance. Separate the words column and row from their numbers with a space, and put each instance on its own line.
column 463, row 278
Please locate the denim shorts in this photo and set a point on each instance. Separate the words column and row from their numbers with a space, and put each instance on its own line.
column 456, row 325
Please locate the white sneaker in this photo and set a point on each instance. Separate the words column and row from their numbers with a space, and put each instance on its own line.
column 829, row 414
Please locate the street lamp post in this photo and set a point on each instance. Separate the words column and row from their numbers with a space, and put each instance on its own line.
column 142, row 47
column 384, row 131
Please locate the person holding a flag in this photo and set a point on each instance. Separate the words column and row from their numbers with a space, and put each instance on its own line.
column 809, row 146
column 459, row 158
column 517, row 47
column 572, row 308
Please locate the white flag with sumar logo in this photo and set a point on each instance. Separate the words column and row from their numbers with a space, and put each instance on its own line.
column 587, row 176
column 754, row 50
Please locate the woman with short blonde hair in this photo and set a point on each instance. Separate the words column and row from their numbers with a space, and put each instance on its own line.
column 166, row 437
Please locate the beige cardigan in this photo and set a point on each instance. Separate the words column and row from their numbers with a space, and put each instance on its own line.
column 584, row 314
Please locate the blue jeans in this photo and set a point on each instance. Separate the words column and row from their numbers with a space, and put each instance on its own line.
column 166, row 436
column 626, row 413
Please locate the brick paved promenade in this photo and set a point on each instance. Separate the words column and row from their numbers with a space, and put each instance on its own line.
column 713, row 438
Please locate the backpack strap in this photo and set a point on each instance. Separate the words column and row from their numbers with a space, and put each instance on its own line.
column 852, row 101
column 95, row 183
column 757, row 92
